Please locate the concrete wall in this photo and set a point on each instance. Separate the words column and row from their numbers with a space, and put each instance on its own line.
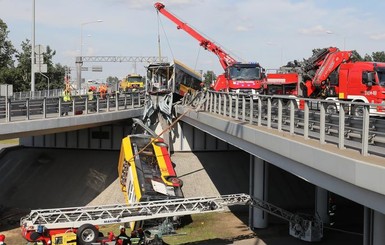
column 183, row 138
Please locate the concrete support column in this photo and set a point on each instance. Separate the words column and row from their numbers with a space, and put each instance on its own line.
column 321, row 204
column 374, row 226
column 258, row 189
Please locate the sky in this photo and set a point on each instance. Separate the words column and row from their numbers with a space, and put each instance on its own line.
column 270, row 32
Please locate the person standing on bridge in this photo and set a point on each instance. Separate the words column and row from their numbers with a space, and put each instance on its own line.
column 66, row 98
column 90, row 95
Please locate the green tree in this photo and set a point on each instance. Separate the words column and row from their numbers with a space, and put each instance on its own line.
column 356, row 56
column 368, row 58
column 208, row 78
column 22, row 80
column 378, row 56
column 7, row 51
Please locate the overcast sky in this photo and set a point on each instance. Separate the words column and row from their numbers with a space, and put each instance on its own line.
column 270, row 32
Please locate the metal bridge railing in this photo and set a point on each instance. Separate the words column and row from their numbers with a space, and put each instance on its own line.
column 50, row 107
column 328, row 121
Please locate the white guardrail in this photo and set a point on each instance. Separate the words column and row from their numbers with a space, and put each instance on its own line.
column 19, row 109
column 328, row 121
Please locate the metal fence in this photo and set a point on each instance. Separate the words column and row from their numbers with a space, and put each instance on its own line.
column 50, row 107
column 328, row 121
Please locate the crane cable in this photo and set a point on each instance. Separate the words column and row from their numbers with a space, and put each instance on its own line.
column 161, row 133
column 168, row 42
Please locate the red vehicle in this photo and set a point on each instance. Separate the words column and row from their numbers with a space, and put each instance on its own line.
column 331, row 74
column 238, row 77
column 282, row 82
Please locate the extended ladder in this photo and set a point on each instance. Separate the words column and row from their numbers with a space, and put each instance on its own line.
column 304, row 227
column 121, row 213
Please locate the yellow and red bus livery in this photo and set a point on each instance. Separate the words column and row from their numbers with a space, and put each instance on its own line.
column 146, row 172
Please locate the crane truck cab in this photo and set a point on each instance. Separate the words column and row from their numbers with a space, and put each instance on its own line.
column 241, row 78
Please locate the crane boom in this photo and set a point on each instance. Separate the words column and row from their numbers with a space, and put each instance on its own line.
column 237, row 77
column 224, row 58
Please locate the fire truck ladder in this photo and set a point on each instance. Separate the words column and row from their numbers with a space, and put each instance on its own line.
column 74, row 217
column 121, row 213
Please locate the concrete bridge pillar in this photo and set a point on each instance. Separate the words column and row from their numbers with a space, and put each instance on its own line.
column 321, row 204
column 258, row 189
column 374, row 226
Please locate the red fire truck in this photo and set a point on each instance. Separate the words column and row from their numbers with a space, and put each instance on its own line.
column 238, row 77
column 331, row 74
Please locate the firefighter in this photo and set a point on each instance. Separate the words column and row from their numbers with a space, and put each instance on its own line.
column 122, row 238
column 2, row 239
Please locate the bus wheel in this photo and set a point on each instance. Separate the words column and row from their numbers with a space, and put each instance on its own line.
column 358, row 110
column 331, row 109
column 87, row 234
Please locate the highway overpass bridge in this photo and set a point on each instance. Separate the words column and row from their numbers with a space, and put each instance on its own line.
column 336, row 153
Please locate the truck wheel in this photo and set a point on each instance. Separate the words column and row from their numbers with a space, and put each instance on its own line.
column 87, row 234
column 331, row 109
column 358, row 110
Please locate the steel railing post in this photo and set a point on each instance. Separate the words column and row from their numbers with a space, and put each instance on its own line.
column 224, row 105
column 132, row 100
column 322, row 123
column 230, row 105
column 243, row 108
column 125, row 100
column 97, row 104
column 251, row 109
column 73, row 107
column 108, row 103
column 59, row 107
column 292, row 108
column 236, row 106
column 8, row 110
column 220, row 104
column 44, row 107
column 341, row 128
column 280, row 114
column 86, row 106
column 365, row 131
column 27, row 103
column 306, row 120
column 259, row 111
column 215, row 104
column 116, row 102
column 269, row 112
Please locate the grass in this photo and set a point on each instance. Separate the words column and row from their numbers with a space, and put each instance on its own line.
column 10, row 141
column 205, row 227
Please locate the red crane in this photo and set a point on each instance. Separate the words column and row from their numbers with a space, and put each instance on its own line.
column 238, row 77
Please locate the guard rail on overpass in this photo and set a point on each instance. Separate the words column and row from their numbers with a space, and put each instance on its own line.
column 338, row 152
column 31, row 116
column 309, row 118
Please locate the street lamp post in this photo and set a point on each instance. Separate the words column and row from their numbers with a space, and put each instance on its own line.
column 80, row 61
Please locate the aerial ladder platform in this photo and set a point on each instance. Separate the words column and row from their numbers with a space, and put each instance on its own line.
column 303, row 227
